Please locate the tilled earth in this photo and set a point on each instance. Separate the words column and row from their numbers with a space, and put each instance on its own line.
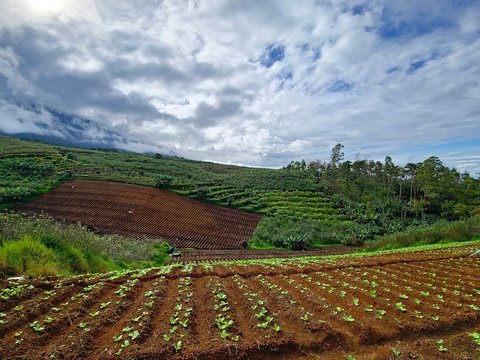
column 410, row 305
column 139, row 212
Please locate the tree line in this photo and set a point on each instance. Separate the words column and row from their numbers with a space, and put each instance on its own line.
column 392, row 196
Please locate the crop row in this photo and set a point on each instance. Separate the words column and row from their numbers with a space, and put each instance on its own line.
column 146, row 212
column 170, row 313
column 303, row 204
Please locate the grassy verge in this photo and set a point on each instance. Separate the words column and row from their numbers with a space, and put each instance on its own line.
column 439, row 233
column 40, row 246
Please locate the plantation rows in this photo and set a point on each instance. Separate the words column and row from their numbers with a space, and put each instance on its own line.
column 194, row 255
column 138, row 212
column 306, row 205
column 427, row 306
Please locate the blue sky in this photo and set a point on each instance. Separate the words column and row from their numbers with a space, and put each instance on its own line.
column 250, row 82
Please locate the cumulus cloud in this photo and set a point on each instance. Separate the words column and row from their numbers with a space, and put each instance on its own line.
column 257, row 83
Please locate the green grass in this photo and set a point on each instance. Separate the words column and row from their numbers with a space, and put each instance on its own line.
column 31, row 256
column 438, row 233
column 41, row 246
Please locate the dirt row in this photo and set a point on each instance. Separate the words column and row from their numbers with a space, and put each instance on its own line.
column 143, row 212
column 380, row 307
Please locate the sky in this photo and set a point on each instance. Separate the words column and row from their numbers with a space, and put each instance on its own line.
column 256, row 83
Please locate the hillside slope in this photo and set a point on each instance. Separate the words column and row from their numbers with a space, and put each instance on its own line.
column 143, row 212
column 29, row 169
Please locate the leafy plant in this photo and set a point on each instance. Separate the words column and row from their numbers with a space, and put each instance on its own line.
column 177, row 345
column 400, row 307
column 476, row 337
column 37, row 326
column 441, row 346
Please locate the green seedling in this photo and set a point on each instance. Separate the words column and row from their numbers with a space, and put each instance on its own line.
column 133, row 335
column 381, row 313
column 476, row 337
column 126, row 343
column 440, row 346
column 105, row 304
column 395, row 352
column 177, row 345
column 37, row 326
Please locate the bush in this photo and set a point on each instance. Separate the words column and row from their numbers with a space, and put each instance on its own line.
column 283, row 232
column 163, row 181
column 440, row 232
column 28, row 257
column 75, row 249
column 160, row 256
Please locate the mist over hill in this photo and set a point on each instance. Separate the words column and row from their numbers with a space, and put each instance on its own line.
column 33, row 122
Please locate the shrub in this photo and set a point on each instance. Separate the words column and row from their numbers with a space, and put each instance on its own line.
column 28, row 257
column 440, row 232
column 75, row 249
column 283, row 232
column 163, row 181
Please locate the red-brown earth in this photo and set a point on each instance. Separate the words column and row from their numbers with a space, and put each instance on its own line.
column 407, row 305
column 145, row 212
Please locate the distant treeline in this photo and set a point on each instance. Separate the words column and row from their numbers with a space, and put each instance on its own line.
column 375, row 192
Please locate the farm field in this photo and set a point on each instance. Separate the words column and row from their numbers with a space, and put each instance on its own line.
column 306, row 205
column 143, row 212
column 189, row 255
column 421, row 304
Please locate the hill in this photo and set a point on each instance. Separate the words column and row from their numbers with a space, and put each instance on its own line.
column 303, row 205
column 142, row 212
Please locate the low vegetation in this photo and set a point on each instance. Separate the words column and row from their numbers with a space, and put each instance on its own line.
column 440, row 232
column 41, row 246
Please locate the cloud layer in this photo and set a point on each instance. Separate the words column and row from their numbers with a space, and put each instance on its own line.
column 253, row 82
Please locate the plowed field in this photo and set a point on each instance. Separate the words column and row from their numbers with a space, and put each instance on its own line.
column 415, row 305
column 138, row 211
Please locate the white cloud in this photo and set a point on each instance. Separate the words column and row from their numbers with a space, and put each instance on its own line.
column 186, row 74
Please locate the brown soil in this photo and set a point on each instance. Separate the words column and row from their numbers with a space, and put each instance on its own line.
column 325, row 309
column 144, row 212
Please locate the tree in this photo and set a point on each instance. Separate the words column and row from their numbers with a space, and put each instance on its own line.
column 337, row 155
column 420, row 206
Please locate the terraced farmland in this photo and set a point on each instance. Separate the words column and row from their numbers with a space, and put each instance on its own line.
column 140, row 212
column 419, row 305
column 308, row 205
